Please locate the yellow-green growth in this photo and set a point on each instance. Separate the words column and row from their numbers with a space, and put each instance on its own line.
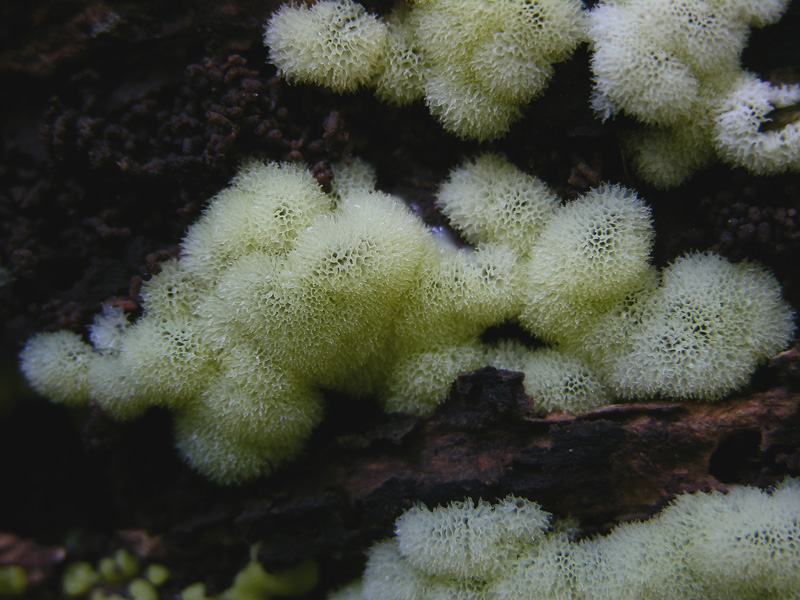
column 675, row 67
column 475, row 63
column 740, row 134
column 354, row 177
column 354, row 269
column 334, row 43
column 57, row 366
column 555, row 380
column 609, row 331
column 743, row 543
column 457, row 295
column 111, row 576
column 156, row 574
column 468, row 539
column 279, row 296
column 13, row 580
column 276, row 296
column 78, row 579
column 247, row 420
column 141, row 589
column 703, row 331
column 254, row 583
column 194, row 591
column 168, row 358
column 490, row 200
column 264, row 209
column 487, row 59
column 420, row 381
column 122, row 566
column 588, row 257
column 665, row 157
column 400, row 78
column 108, row 330
column 736, row 546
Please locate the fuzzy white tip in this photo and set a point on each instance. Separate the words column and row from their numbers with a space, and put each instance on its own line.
column 743, row 130
column 334, row 43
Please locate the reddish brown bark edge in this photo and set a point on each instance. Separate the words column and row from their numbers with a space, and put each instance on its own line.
column 615, row 463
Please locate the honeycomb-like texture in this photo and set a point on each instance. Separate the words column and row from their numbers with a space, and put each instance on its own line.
column 560, row 381
column 490, row 200
column 703, row 331
column 742, row 127
column 333, row 43
column 264, row 209
column 400, row 77
column 652, row 58
column 634, row 562
column 591, row 253
column 742, row 544
column 736, row 546
column 674, row 65
column 278, row 296
column 468, row 540
column 421, row 380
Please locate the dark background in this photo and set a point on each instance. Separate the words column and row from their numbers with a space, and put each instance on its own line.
column 120, row 119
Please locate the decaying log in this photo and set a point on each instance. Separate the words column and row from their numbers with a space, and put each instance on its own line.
column 618, row 462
